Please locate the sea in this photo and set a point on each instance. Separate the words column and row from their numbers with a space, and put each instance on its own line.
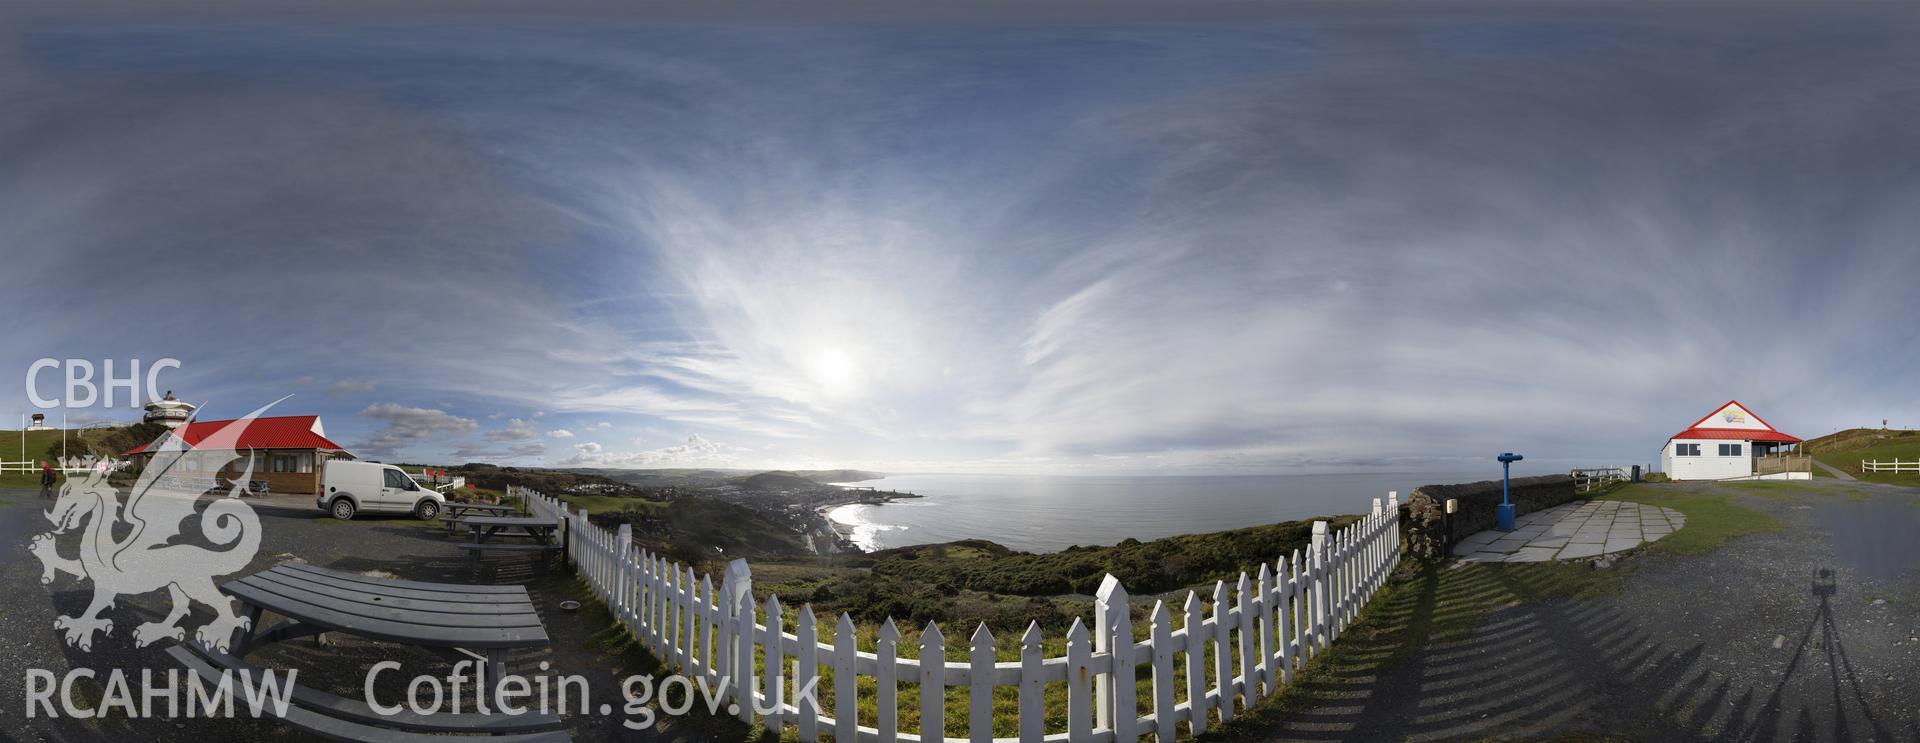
column 1047, row 513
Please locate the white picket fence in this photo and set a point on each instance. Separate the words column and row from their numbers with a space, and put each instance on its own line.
column 1892, row 466
column 1261, row 629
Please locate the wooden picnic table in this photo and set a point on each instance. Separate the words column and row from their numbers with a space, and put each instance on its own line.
column 487, row 530
column 484, row 528
column 492, row 620
column 454, row 512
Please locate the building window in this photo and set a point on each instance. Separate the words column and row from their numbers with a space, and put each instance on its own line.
column 1686, row 450
column 1729, row 450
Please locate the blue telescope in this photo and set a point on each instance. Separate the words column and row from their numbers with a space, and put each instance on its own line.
column 1506, row 501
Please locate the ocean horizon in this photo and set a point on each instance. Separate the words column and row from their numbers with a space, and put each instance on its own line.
column 1048, row 513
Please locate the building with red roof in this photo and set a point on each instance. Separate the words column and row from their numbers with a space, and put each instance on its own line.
column 288, row 451
column 1733, row 443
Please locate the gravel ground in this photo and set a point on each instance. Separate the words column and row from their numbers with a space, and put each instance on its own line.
column 402, row 548
column 1810, row 633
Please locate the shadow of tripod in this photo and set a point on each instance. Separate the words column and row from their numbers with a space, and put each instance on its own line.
column 1823, row 588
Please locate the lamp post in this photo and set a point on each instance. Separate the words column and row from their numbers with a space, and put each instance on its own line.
column 1506, row 499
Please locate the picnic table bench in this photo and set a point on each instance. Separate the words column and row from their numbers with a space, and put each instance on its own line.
column 454, row 512
column 493, row 620
column 487, row 530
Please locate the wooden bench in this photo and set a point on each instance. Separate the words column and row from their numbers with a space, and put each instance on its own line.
column 341, row 718
column 506, row 547
column 432, row 616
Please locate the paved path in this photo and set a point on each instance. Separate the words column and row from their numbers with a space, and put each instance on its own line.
column 1835, row 471
column 1570, row 531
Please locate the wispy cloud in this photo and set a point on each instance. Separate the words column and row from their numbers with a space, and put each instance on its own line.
column 347, row 387
column 409, row 425
column 1279, row 245
column 696, row 451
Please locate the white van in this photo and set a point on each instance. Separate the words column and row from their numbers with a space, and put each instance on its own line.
column 347, row 488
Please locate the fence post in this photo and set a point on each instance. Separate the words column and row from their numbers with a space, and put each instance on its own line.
column 806, row 669
column 845, row 695
column 1285, row 586
column 1249, row 675
column 1033, row 722
column 1102, row 642
column 887, row 683
column 1222, row 653
column 1197, row 705
column 1161, row 631
column 736, row 609
column 690, row 625
column 1111, row 601
column 710, row 640
column 776, row 667
column 1317, row 569
column 580, row 520
column 1263, row 625
column 623, row 545
column 980, row 687
column 742, row 668
column 1376, row 547
column 1079, row 698
column 933, row 685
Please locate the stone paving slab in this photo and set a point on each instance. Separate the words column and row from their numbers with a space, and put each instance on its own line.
column 1572, row 531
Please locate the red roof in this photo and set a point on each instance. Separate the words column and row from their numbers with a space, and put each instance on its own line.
column 1695, row 431
column 1736, row 434
column 285, row 432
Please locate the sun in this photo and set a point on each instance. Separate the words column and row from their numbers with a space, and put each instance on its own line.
column 835, row 370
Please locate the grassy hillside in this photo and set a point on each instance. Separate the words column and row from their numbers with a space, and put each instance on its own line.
column 977, row 580
column 1846, row 449
column 37, row 443
column 699, row 531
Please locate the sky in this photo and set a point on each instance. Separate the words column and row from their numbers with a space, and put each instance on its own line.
column 1040, row 238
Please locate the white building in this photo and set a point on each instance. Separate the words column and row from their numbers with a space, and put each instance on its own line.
column 1733, row 443
column 169, row 411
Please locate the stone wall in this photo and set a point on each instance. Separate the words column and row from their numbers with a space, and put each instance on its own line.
column 1426, row 517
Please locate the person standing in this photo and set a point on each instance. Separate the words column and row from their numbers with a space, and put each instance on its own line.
column 46, row 479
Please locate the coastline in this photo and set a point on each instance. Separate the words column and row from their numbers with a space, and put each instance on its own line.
column 857, row 537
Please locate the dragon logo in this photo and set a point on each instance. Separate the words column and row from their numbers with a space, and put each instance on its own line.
column 157, row 550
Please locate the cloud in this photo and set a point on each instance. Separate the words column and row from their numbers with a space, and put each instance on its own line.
column 346, row 387
column 1298, row 245
column 476, row 452
column 602, row 426
column 560, row 433
column 407, row 426
column 515, row 430
column 696, row 451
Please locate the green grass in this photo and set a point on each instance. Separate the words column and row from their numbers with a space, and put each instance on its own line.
column 37, row 443
column 611, row 503
column 1712, row 517
column 1845, row 451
